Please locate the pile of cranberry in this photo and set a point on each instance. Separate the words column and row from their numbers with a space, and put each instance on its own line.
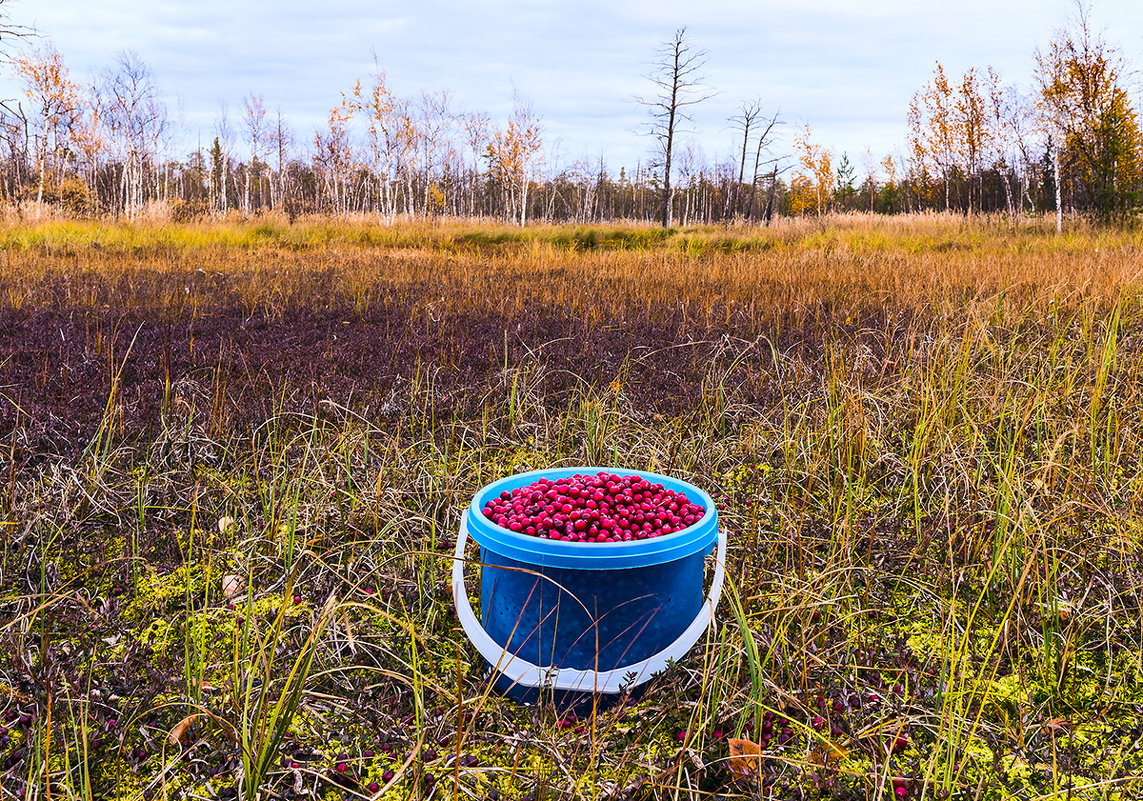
column 593, row 508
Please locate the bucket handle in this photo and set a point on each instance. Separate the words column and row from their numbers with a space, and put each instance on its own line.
column 525, row 674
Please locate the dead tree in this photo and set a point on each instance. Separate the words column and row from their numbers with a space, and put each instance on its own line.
column 678, row 81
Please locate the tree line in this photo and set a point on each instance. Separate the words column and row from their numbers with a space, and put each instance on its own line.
column 975, row 144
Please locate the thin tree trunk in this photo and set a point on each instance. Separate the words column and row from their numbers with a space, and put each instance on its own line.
column 1059, row 201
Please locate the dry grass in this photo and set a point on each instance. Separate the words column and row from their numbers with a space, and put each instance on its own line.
column 923, row 435
column 839, row 264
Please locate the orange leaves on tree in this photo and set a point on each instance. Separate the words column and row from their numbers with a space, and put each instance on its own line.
column 952, row 127
column 1087, row 107
column 388, row 127
column 811, row 187
column 62, row 118
column 512, row 154
column 510, row 149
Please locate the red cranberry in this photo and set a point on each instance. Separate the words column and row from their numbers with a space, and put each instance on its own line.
column 578, row 509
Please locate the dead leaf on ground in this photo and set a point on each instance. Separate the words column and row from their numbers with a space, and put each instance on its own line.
column 181, row 728
column 827, row 753
column 745, row 757
column 232, row 585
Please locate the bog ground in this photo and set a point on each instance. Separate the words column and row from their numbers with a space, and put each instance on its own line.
column 235, row 457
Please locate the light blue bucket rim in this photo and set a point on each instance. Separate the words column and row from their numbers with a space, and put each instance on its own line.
column 592, row 555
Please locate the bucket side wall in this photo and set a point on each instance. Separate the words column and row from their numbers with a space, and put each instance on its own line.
column 588, row 619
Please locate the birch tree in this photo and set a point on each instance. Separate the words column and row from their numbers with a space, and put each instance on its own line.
column 476, row 126
column 812, row 184
column 380, row 109
column 281, row 140
column 513, row 156
column 254, row 119
column 434, row 123
column 333, row 158
column 220, row 159
column 1095, row 127
column 972, row 132
column 59, row 124
column 1009, row 145
column 932, row 130
column 136, row 117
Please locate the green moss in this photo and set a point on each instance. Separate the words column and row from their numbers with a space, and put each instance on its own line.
column 156, row 594
column 116, row 780
column 1006, row 693
column 158, row 635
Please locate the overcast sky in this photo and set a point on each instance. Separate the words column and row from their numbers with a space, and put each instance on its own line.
column 846, row 68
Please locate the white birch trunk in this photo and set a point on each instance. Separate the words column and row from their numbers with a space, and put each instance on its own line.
column 1059, row 203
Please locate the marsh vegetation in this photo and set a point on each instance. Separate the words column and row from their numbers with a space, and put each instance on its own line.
column 235, row 456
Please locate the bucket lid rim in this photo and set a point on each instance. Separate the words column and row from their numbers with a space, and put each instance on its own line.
column 591, row 556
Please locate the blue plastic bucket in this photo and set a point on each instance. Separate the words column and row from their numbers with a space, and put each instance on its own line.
column 579, row 618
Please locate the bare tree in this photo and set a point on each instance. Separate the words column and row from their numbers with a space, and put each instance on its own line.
column 13, row 119
column 748, row 114
column 678, row 81
column 476, row 127
column 282, row 139
column 10, row 34
column 1005, row 111
column 220, row 158
column 255, row 124
column 770, row 163
column 435, row 121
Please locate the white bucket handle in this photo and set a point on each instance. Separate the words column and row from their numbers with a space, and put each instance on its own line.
column 525, row 674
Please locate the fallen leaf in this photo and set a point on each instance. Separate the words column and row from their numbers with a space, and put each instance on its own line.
column 232, row 585
column 827, row 753
column 180, row 729
column 745, row 757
